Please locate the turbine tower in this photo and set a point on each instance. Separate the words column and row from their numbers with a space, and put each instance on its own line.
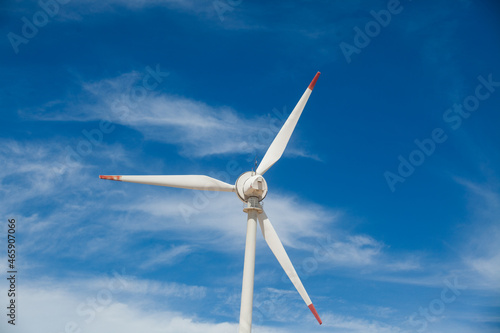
column 251, row 188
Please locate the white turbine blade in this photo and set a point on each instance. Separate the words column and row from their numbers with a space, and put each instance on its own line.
column 278, row 146
column 193, row 182
column 276, row 246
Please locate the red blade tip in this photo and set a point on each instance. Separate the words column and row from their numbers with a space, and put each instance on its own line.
column 111, row 177
column 311, row 306
column 313, row 82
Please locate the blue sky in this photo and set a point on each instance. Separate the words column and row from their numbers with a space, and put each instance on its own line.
column 387, row 198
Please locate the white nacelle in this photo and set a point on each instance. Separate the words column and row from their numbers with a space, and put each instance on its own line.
column 251, row 185
column 255, row 187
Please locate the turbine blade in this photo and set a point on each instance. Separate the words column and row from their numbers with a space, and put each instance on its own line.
column 276, row 246
column 278, row 146
column 193, row 182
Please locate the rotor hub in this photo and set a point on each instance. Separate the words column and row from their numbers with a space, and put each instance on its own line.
column 251, row 185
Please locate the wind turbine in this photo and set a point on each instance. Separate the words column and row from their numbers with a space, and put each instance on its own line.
column 251, row 188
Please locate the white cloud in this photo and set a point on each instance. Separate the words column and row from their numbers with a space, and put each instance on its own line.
column 221, row 215
column 91, row 306
column 476, row 260
column 197, row 128
column 341, row 323
column 33, row 169
column 56, row 309
column 381, row 311
column 361, row 252
column 191, row 215
column 160, row 257
column 487, row 266
column 356, row 250
column 216, row 223
column 481, row 253
column 64, row 212
column 145, row 3
column 133, row 286
column 197, row 219
column 79, row 9
column 301, row 225
column 407, row 263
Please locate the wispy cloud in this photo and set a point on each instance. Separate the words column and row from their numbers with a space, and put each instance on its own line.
column 52, row 309
column 363, row 254
column 161, row 257
column 220, row 215
column 211, row 222
column 355, row 251
column 91, row 305
column 192, row 218
column 341, row 323
column 79, row 9
column 197, row 128
column 475, row 260
column 34, row 169
column 482, row 250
